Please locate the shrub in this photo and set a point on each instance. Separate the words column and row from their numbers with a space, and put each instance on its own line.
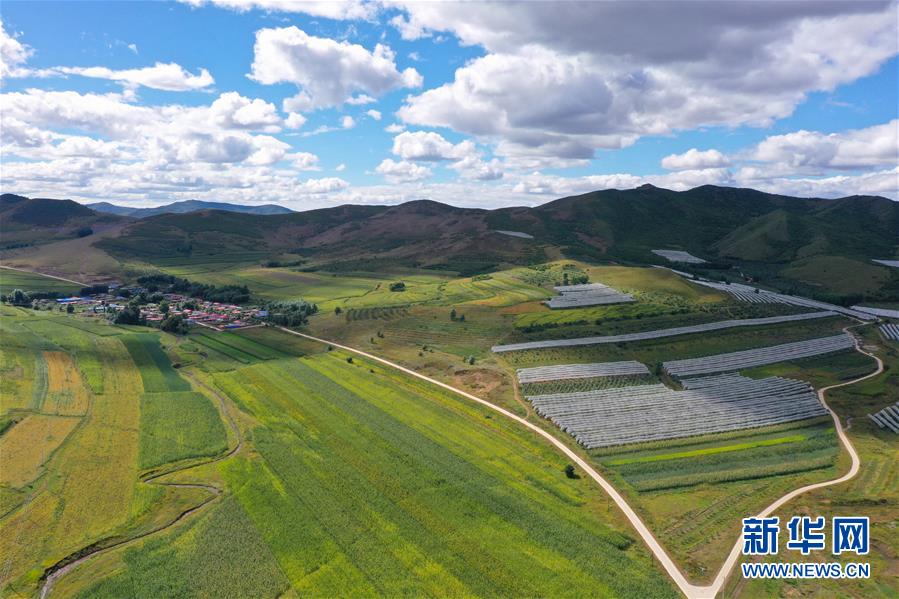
column 398, row 286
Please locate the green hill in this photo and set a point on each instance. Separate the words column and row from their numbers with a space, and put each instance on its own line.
column 794, row 243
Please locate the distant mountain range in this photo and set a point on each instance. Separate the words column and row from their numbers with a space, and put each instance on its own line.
column 818, row 247
column 186, row 206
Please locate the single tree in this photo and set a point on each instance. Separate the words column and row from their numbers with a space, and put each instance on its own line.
column 70, row 309
column 453, row 314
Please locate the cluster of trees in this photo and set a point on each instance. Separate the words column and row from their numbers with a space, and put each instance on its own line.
column 25, row 298
column 398, row 286
column 575, row 279
column 229, row 294
column 454, row 317
column 289, row 314
column 94, row 289
column 18, row 298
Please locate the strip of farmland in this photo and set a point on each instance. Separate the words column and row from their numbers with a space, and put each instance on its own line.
column 644, row 335
column 890, row 331
column 580, row 371
column 619, row 416
column 759, row 356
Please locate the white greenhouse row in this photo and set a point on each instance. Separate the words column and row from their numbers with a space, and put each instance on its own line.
column 659, row 333
column 542, row 374
column 883, row 312
column 759, row 356
column 589, row 294
column 755, row 295
column 890, row 331
column 623, row 415
column 887, row 418
column 678, row 256
column 893, row 263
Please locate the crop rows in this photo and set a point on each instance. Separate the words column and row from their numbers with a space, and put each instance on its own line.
column 580, row 371
column 887, row 418
column 877, row 311
column 890, row 331
column 678, row 256
column 376, row 313
column 758, row 357
column 587, row 384
column 644, row 335
column 590, row 294
column 607, row 417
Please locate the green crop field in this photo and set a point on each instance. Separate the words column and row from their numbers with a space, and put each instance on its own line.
column 156, row 371
column 367, row 483
column 33, row 283
column 75, row 480
column 176, row 426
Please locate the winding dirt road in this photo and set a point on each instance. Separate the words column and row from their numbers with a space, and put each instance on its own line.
column 54, row 573
column 690, row 590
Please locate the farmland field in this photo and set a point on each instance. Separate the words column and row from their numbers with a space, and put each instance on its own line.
column 33, row 282
column 354, row 479
column 176, row 426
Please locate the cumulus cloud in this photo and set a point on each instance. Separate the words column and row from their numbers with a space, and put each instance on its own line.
column 294, row 120
column 859, row 148
column 695, row 159
column 13, row 53
column 231, row 110
column 403, row 171
column 326, row 71
column 329, row 9
column 165, row 76
column 429, row 146
column 375, row 114
column 347, row 122
column 561, row 80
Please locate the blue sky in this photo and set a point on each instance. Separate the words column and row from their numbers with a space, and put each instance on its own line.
column 486, row 105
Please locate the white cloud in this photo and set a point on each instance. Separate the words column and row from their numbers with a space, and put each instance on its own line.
column 329, row 9
column 164, row 76
column 859, row 148
column 347, row 122
column 304, row 161
column 563, row 80
column 13, row 53
column 375, row 114
column 473, row 167
column 430, row 146
column 231, row 110
column 695, row 159
column 133, row 48
column 340, row 167
column 327, row 71
column 394, row 128
column 294, row 120
column 403, row 171
column 361, row 100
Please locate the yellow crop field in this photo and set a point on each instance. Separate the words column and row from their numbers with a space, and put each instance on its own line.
column 67, row 394
column 29, row 444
